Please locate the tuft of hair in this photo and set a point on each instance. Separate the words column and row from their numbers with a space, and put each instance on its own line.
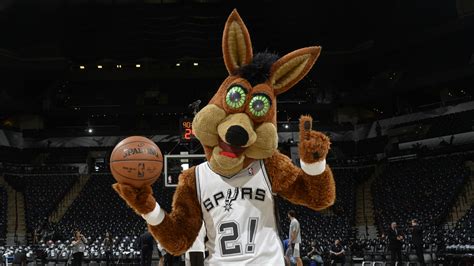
column 258, row 71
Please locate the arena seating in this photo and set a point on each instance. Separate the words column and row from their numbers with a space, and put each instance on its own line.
column 424, row 189
column 98, row 209
column 98, row 202
column 463, row 231
column 3, row 214
column 325, row 228
column 65, row 155
column 42, row 193
column 346, row 181
column 416, row 182
column 60, row 252
column 460, row 241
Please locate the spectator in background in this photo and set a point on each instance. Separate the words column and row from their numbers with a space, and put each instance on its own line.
column 20, row 258
column 78, row 248
column 337, row 252
column 315, row 253
column 108, row 246
column 285, row 249
column 36, row 236
column 295, row 238
column 161, row 254
column 417, row 237
column 146, row 244
column 395, row 241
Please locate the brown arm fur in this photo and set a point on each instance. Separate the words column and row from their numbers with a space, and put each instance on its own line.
column 179, row 229
column 316, row 192
column 292, row 183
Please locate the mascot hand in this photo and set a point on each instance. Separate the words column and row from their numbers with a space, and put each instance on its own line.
column 140, row 199
column 314, row 145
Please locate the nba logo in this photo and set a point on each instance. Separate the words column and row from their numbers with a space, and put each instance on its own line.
column 251, row 171
column 141, row 169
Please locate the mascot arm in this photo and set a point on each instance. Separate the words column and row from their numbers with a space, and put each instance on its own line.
column 313, row 184
column 175, row 231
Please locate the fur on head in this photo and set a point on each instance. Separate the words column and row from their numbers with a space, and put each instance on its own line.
column 239, row 123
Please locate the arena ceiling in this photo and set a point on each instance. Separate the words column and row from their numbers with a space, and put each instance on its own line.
column 372, row 50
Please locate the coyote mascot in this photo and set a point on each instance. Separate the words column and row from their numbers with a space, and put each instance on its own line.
column 233, row 193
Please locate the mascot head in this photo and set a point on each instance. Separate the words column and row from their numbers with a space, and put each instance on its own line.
column 239, row 123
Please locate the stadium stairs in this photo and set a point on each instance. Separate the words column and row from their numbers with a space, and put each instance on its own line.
column 68, row 199
column 465, row 199
column 365, row 207
column 16, row 226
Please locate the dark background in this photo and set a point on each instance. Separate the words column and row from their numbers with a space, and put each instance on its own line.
column 379, row 59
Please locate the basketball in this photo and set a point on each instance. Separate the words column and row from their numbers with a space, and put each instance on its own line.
column 136, row 161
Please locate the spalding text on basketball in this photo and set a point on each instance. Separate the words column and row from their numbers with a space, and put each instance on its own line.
column 133, row 151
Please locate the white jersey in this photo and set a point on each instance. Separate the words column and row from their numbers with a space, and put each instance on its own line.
column 239, row 216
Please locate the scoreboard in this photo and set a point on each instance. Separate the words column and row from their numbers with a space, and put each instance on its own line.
column 186, row 129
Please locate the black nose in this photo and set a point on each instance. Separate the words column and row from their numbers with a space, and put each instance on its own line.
column 236, row 136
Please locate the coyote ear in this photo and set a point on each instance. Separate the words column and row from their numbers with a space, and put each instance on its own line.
column 236, row 44
column 291, row 68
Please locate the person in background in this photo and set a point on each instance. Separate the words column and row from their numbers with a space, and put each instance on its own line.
column 395, row 238
column 161, row 254
column 78, row 248
column 36, row 236
column 417, row 237
column 295, row 238
column 285, row 249
column 337, row 253
column 146, row 244
column 315, row 253
column 108, row 247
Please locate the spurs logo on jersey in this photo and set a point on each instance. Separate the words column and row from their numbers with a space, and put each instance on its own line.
column 239, row 216
column 246, row 193
column 229, row 199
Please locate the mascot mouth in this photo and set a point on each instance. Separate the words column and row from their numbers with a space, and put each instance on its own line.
column 229, row 150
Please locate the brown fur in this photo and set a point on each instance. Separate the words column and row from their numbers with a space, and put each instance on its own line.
column 313, row 146
column 177, row 232
column 236, row 44
column 179, row 228
column 286, row 72
column 140, row 199
column 316, row 192
column 291, row 182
